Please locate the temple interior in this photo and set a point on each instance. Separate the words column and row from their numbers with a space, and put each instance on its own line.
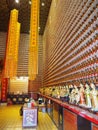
column 49, row 64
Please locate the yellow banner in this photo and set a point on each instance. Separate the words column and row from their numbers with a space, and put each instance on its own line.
column 33, row 46
column 10, row 69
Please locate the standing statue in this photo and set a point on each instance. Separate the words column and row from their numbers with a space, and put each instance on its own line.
column 77, row 94
column 62, row 92
column 74, row 95
column 94, row 97
column 87, row 95
column 71, row 94
column 56, row 92
column 82, row 96
column 67, row 90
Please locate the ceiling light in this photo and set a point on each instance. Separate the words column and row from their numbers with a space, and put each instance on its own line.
column 29, row 2
column 43, row 4
column 38, row 28
column 17, row 1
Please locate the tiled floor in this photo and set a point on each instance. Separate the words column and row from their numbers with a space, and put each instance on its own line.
column 11, row 120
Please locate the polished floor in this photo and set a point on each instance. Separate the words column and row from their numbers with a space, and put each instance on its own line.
column 11, row 120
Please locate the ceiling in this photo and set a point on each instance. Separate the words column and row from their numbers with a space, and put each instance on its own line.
column 24, row 14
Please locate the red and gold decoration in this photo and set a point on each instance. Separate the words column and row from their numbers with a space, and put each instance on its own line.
column 33, row 46
column 11, row 59
column 4, row 88
column 11, row 56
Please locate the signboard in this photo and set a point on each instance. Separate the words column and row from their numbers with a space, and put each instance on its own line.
column 29, row 117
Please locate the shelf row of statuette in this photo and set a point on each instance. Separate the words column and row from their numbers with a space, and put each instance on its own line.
column 83, row 95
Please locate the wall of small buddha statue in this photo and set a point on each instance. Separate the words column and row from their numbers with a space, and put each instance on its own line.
column 70, row 48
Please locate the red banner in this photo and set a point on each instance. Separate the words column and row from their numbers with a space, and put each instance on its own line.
column 4, row 87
